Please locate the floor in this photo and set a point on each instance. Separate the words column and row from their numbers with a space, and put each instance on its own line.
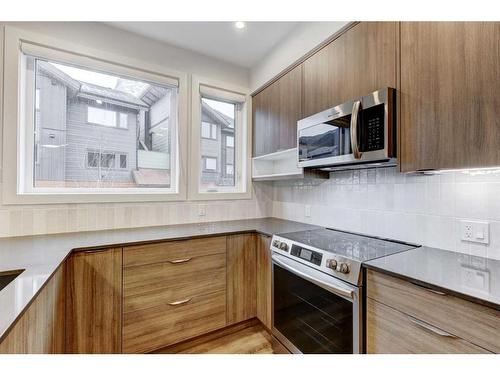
column 249, row 337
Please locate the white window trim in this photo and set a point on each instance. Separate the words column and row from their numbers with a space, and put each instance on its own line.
column 13, row 121
column 243, row 147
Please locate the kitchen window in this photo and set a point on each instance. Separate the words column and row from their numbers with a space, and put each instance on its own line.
column 73, row 109
column 219, row 142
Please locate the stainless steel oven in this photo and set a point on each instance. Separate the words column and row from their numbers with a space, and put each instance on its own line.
column 356, row 134
column 314, row 312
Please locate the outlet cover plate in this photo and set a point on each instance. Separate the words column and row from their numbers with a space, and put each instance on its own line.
column 475, row 231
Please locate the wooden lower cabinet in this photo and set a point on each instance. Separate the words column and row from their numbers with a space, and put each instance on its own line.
column 94, row 301
column 241, row 277
column 389, row 331
column 435, row 322
column 40, row 330
column 173, row 292
column 264, row 280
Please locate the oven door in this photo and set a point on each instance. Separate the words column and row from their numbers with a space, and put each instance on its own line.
column 314, row 312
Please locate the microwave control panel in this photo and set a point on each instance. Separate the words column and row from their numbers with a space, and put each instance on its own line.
column 372, row 131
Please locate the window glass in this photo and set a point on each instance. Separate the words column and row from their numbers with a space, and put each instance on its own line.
column 230, row 141
column 221, row 117
column 101, row 116
column 210, row 164
column 100, row 130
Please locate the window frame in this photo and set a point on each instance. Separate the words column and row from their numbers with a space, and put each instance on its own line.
column 18, row 124
column 242, row 141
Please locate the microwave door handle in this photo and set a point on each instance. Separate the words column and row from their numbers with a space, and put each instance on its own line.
column 354, row 129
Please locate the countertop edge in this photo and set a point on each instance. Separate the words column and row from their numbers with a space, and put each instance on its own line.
column 70, row 251
column 439, row 288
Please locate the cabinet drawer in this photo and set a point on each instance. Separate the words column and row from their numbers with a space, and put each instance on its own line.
column 172, row 251
column 156, row 284
column 390, row 332
column 470, row 321
column 152, row 328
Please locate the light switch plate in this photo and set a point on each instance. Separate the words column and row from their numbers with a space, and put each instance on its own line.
column 475, row 231
column 202, row 209
column 308, row 210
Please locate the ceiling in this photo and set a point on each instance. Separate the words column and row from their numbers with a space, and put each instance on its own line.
column 220, row 40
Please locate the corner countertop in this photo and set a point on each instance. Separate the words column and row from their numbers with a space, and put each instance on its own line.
column 470, row 277
column 40, row 256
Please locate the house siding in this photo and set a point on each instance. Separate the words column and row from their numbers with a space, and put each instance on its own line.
column 82, row 136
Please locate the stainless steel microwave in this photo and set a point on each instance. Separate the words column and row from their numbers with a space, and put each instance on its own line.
column 358, row 134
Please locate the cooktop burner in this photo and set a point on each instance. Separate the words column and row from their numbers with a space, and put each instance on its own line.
column 337, row 253
column 353, row 246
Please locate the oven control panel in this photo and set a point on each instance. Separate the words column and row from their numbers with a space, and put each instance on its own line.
column 306, row 254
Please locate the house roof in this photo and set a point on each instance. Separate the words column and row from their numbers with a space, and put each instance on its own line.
column 218, row 116
column 86, row 89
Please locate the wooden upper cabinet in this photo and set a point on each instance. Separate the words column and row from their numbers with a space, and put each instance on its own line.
column 450, row 75
column 276, row 110
column 358, row 62
column 94, row 302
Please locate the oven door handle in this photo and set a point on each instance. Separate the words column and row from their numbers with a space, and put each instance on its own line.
column 336, row 289
column 356, row 106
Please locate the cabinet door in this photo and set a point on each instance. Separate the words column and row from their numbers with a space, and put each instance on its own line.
column 94, row 302
column 358, row 62
column 241, row 277
column 40, row 329
column 389, row 331
column 264, row 280
column 449, row 95
column 276, row 110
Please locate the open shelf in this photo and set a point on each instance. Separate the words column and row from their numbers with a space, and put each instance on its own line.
column 281, row 165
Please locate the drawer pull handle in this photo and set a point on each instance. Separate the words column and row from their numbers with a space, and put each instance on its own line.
column 179, row 261
column 431, row 328
column 430, row 290
column 182, row 302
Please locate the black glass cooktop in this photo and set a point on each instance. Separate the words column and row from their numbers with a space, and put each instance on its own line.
column 353, row 246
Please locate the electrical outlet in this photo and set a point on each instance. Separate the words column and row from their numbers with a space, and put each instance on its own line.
column 202, row 210
column 308, row 210
column 475, row 231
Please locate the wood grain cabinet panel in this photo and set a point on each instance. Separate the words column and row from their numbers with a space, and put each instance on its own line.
column 470, row 321
column 173, row 291
column 41, row 328
column 94, row 302
column 390, row 332
column 264, row 280
column 276, row 110
column 173, row 250
column 241, row 277
column 450, row 77
column 358, row 62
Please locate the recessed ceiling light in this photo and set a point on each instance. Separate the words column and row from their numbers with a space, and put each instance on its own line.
column 239, row 24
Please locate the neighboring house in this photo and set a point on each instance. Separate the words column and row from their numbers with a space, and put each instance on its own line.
column 87, row 135
column 217, row 148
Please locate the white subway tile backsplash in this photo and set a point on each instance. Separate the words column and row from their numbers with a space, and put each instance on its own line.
column 424, row 209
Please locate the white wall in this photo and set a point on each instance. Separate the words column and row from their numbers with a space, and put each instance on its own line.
column 42, row 219
column 300, row 41
column 383, row 202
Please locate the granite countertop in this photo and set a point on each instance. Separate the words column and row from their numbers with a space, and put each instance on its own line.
column 470, row 277
column 40, row 256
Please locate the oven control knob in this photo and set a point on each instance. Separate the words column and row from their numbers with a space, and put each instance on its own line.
column 343, row 268
column 283, row 246
column 276, row 243
column 331, row 263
